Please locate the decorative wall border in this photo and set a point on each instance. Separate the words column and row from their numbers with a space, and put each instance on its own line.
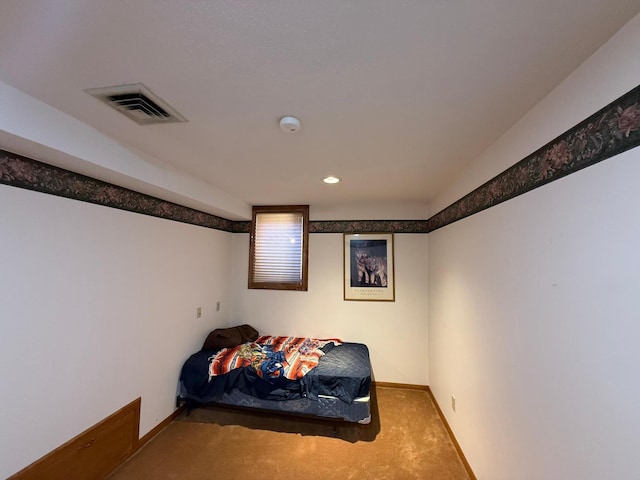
column 608, row 132
column 24, row 172
column 377, row 226
column 354, row 226
column 19, row 171
column 241, row 227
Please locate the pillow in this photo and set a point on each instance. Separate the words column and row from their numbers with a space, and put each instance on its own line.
column 230, row 337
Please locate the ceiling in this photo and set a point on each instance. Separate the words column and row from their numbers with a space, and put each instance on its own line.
column 395, row 97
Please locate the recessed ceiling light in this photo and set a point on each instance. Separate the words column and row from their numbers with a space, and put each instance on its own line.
column 331, row 179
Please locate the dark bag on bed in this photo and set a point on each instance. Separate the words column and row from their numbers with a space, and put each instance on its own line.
column 230, row 337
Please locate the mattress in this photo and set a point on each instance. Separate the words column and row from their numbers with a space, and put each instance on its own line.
column 337, row 388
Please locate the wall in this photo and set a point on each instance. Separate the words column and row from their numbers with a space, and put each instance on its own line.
column 98, row 307
column 533, row 304
column 395, row 332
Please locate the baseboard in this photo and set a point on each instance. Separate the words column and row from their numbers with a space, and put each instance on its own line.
column 158, row 428
column 94, row 453
column 408, row 386
column 467, row 467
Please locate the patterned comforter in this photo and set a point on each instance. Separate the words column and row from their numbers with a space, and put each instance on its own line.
column 272, row 358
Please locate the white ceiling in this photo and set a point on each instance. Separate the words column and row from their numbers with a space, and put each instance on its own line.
column 395, row 97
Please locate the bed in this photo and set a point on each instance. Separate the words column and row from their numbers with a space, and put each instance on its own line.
column 323, row 378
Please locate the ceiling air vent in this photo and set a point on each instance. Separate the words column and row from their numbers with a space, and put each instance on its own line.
column 137, row 102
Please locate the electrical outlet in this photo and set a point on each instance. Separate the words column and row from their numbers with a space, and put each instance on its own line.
column 199, row 312
column 453, row 403
column 217, row 306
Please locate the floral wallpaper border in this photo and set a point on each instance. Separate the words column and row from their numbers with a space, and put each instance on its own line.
column 19, row 171
column 24, row 172
column 373, row 226
column 354, row 226
column 608, row 132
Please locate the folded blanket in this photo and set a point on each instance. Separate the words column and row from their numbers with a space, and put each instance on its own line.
column 272, row 358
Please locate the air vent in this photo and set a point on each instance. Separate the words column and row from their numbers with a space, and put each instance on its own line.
column 138, row 103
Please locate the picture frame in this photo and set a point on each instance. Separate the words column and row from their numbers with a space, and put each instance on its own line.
column 369, row 268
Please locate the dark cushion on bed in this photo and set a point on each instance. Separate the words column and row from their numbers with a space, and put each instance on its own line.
column 230, row 337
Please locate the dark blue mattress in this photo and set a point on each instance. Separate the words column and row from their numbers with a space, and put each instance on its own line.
column 329, row 390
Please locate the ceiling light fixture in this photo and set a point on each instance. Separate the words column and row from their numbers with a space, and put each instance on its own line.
column 289, row 124
column 331, row 179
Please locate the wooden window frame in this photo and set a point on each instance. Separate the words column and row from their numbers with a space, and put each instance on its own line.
column 303, row 283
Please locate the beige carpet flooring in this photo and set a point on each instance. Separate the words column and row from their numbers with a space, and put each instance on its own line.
column 405, row 441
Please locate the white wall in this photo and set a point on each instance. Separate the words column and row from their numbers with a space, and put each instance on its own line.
column 98, row 307
column 395, row 332
column 533, row 304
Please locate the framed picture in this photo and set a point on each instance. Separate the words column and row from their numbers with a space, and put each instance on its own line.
column 368, row 267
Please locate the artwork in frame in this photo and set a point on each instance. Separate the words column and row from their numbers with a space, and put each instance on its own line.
column 369, row 267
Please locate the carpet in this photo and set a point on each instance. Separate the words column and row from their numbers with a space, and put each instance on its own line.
column 406, row 440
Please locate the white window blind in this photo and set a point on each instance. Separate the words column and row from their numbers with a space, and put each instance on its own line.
column 279, row 250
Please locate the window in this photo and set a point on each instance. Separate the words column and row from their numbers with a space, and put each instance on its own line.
column 279, row 248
